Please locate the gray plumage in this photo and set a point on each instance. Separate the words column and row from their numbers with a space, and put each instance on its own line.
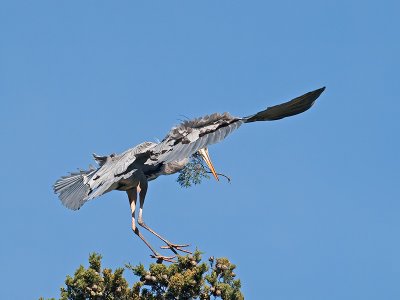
column 149, row 160
column 73, row 188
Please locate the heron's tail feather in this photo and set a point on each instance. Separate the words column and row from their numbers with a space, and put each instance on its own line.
column 72, row 189
column 287, row 109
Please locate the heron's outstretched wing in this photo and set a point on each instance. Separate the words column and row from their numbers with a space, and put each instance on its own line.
column 190, row 136
column 78, row 187
column 115, row 168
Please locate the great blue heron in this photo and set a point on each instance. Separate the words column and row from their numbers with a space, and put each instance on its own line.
column 133, row 169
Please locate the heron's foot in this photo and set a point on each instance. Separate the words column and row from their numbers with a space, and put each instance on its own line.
column 161, row 258
column 174, row 247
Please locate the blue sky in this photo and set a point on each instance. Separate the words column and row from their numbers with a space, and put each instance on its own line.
column 312, row 211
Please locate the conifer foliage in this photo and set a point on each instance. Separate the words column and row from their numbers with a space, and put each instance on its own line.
column 188, row 278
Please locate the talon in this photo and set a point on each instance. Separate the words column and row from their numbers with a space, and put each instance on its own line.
column 174, row 247
column 161, row 258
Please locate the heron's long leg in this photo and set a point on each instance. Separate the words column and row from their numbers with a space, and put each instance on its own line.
column 132, row 195
column 142, row 188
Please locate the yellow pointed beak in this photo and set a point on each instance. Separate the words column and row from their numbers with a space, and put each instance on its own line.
column 204, row 154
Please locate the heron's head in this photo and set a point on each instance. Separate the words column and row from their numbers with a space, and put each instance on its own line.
column 204, row 154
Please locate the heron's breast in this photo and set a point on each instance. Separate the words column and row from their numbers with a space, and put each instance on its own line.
column 127, row 184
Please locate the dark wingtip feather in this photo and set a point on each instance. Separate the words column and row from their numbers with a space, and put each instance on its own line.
column 287, row 109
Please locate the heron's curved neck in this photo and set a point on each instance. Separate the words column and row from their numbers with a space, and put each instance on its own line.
column 175, row 166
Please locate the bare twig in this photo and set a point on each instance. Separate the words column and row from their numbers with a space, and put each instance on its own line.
column 223, row 175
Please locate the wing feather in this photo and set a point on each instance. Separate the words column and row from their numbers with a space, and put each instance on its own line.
column 293, row 107
column 189, row 137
